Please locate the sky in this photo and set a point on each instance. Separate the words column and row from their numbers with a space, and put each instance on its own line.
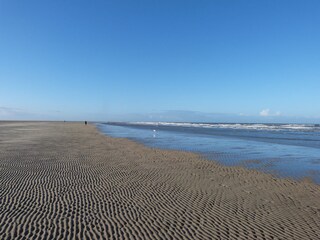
column 160, row 60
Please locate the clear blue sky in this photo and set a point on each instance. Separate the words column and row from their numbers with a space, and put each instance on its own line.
column 152, row 60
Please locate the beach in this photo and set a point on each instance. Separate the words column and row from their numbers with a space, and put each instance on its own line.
column 68, row 181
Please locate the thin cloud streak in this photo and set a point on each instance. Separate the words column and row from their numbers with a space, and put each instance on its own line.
column 7, row 111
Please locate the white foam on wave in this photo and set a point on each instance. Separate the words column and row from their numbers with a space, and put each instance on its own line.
column 253, row 126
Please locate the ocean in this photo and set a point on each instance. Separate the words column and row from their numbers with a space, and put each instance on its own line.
column 285, row 150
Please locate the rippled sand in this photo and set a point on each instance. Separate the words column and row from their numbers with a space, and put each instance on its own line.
column 67, row 181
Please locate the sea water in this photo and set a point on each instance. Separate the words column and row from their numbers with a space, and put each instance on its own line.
column 285, row 150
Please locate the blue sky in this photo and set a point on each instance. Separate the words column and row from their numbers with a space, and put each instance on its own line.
column 208, row 60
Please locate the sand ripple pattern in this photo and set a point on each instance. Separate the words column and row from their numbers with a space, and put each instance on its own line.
column 67, row 181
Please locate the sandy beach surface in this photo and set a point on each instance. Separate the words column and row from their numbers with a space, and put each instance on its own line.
column 68, row 181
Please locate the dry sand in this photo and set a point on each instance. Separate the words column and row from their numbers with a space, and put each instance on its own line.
column 68, row 181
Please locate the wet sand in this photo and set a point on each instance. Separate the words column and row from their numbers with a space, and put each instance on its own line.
column 68, row 181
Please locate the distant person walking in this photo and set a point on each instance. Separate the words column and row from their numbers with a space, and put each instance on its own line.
column 85, row 122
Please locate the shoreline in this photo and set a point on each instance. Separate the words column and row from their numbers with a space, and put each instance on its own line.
column 74, row 181
column 295, row 162
column 204, row 157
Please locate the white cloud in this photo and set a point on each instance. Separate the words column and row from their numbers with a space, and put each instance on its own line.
column 267, row 113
